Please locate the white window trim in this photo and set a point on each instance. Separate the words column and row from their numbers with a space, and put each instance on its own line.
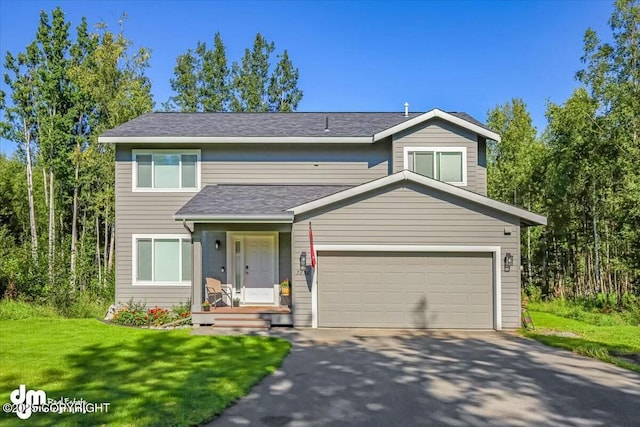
column 496, row 251
column 462, row 150
column 134, row 171
column 134, row 259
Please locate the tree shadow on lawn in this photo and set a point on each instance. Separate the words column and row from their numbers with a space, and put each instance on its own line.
column 416, row 378
column 166, row 379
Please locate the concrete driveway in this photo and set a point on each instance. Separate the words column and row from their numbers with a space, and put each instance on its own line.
column 398, row 378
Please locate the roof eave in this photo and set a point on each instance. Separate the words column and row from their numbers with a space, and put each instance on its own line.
column 235, row 139
column 436, row 113
column 243, row 219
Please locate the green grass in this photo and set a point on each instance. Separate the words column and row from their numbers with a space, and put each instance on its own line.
column 149, row 377
column 592, row 315
column 606, row 343
column 18, row 310
column 82, row 307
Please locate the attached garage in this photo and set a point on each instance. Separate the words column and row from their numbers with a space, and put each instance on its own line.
column 400, row 289
column 406, row 251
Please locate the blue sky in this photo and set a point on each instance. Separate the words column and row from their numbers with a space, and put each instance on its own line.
column 363, row 55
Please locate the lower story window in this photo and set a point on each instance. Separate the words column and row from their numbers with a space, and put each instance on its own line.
column 162, row 259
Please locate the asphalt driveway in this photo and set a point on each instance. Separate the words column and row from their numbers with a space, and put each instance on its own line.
column 398, row 378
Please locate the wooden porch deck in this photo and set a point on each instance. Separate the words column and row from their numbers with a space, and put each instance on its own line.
column 248, row 309
column 246, row 316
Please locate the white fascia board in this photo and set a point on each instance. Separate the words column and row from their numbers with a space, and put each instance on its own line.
column 427, row 182
column 235, row 139
column 436, row 113
column 244, row 219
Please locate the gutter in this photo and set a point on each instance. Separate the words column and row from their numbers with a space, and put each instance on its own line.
column 244, row 219
column 235, row 139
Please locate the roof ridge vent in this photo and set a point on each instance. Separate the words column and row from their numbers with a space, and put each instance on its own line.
column 406, row 109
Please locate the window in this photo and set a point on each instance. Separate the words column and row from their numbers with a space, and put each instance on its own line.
column 166, row 170
column 448, row 164
column 162, row 259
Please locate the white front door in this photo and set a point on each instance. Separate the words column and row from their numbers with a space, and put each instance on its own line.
column 259, row 269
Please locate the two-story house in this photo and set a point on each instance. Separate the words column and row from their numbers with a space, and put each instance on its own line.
column 403, row 233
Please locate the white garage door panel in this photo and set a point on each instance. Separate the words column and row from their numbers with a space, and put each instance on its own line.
column 405, row 290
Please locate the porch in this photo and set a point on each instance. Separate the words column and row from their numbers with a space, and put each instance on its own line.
column 262, row 317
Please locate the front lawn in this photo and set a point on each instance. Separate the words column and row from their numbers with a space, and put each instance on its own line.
column 148, row 377
column 619, row 344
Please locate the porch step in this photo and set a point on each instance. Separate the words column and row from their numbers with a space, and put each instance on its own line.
column 241, row 322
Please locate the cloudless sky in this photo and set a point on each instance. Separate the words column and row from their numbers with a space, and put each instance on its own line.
column 362, row 55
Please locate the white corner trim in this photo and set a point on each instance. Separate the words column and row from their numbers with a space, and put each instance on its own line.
column 497, row 272
column 462, row 150
column 436, row 113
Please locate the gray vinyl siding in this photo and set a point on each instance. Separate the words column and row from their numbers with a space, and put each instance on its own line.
column 408, row 215
column 481, row 167
column 294, row 164
column 439, row 133
column 143, row 213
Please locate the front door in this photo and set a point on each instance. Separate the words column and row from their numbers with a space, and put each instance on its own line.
column 258, row 270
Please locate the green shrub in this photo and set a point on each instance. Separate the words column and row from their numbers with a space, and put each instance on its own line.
column 182, row 310
column 18, row 310
column 534, row 293
column 137, row 314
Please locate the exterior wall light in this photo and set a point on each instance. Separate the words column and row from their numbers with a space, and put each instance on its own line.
column 303, row 261
column 508, row 261
column 218, row 243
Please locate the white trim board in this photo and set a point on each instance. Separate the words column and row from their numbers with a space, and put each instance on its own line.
column 497, row 272
column 436, row 113
column 236, row 139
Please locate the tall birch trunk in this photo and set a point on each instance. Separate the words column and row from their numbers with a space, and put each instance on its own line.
column 52, row 225
column 98, row 250
column 112, row 247
column 596, row 246
column 74, row 226
column 106, row 247
column 32, row 211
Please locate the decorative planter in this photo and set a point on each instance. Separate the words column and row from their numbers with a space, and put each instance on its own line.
column 206, row 308
column 236, row 303
column 285, row 292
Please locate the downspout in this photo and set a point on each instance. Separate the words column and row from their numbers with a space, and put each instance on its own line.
column 186, row 227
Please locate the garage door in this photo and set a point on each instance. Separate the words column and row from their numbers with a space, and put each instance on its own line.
column 405, row 290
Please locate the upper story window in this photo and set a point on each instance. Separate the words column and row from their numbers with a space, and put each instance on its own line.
column 166, row 170
column 448, row 164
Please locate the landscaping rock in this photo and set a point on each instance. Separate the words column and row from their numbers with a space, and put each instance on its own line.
column 110, row 312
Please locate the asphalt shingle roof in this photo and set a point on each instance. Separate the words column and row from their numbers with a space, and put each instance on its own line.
column 238, row 200
column 264, row 124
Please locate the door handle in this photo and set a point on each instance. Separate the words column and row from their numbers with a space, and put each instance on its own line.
column 246, row 269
